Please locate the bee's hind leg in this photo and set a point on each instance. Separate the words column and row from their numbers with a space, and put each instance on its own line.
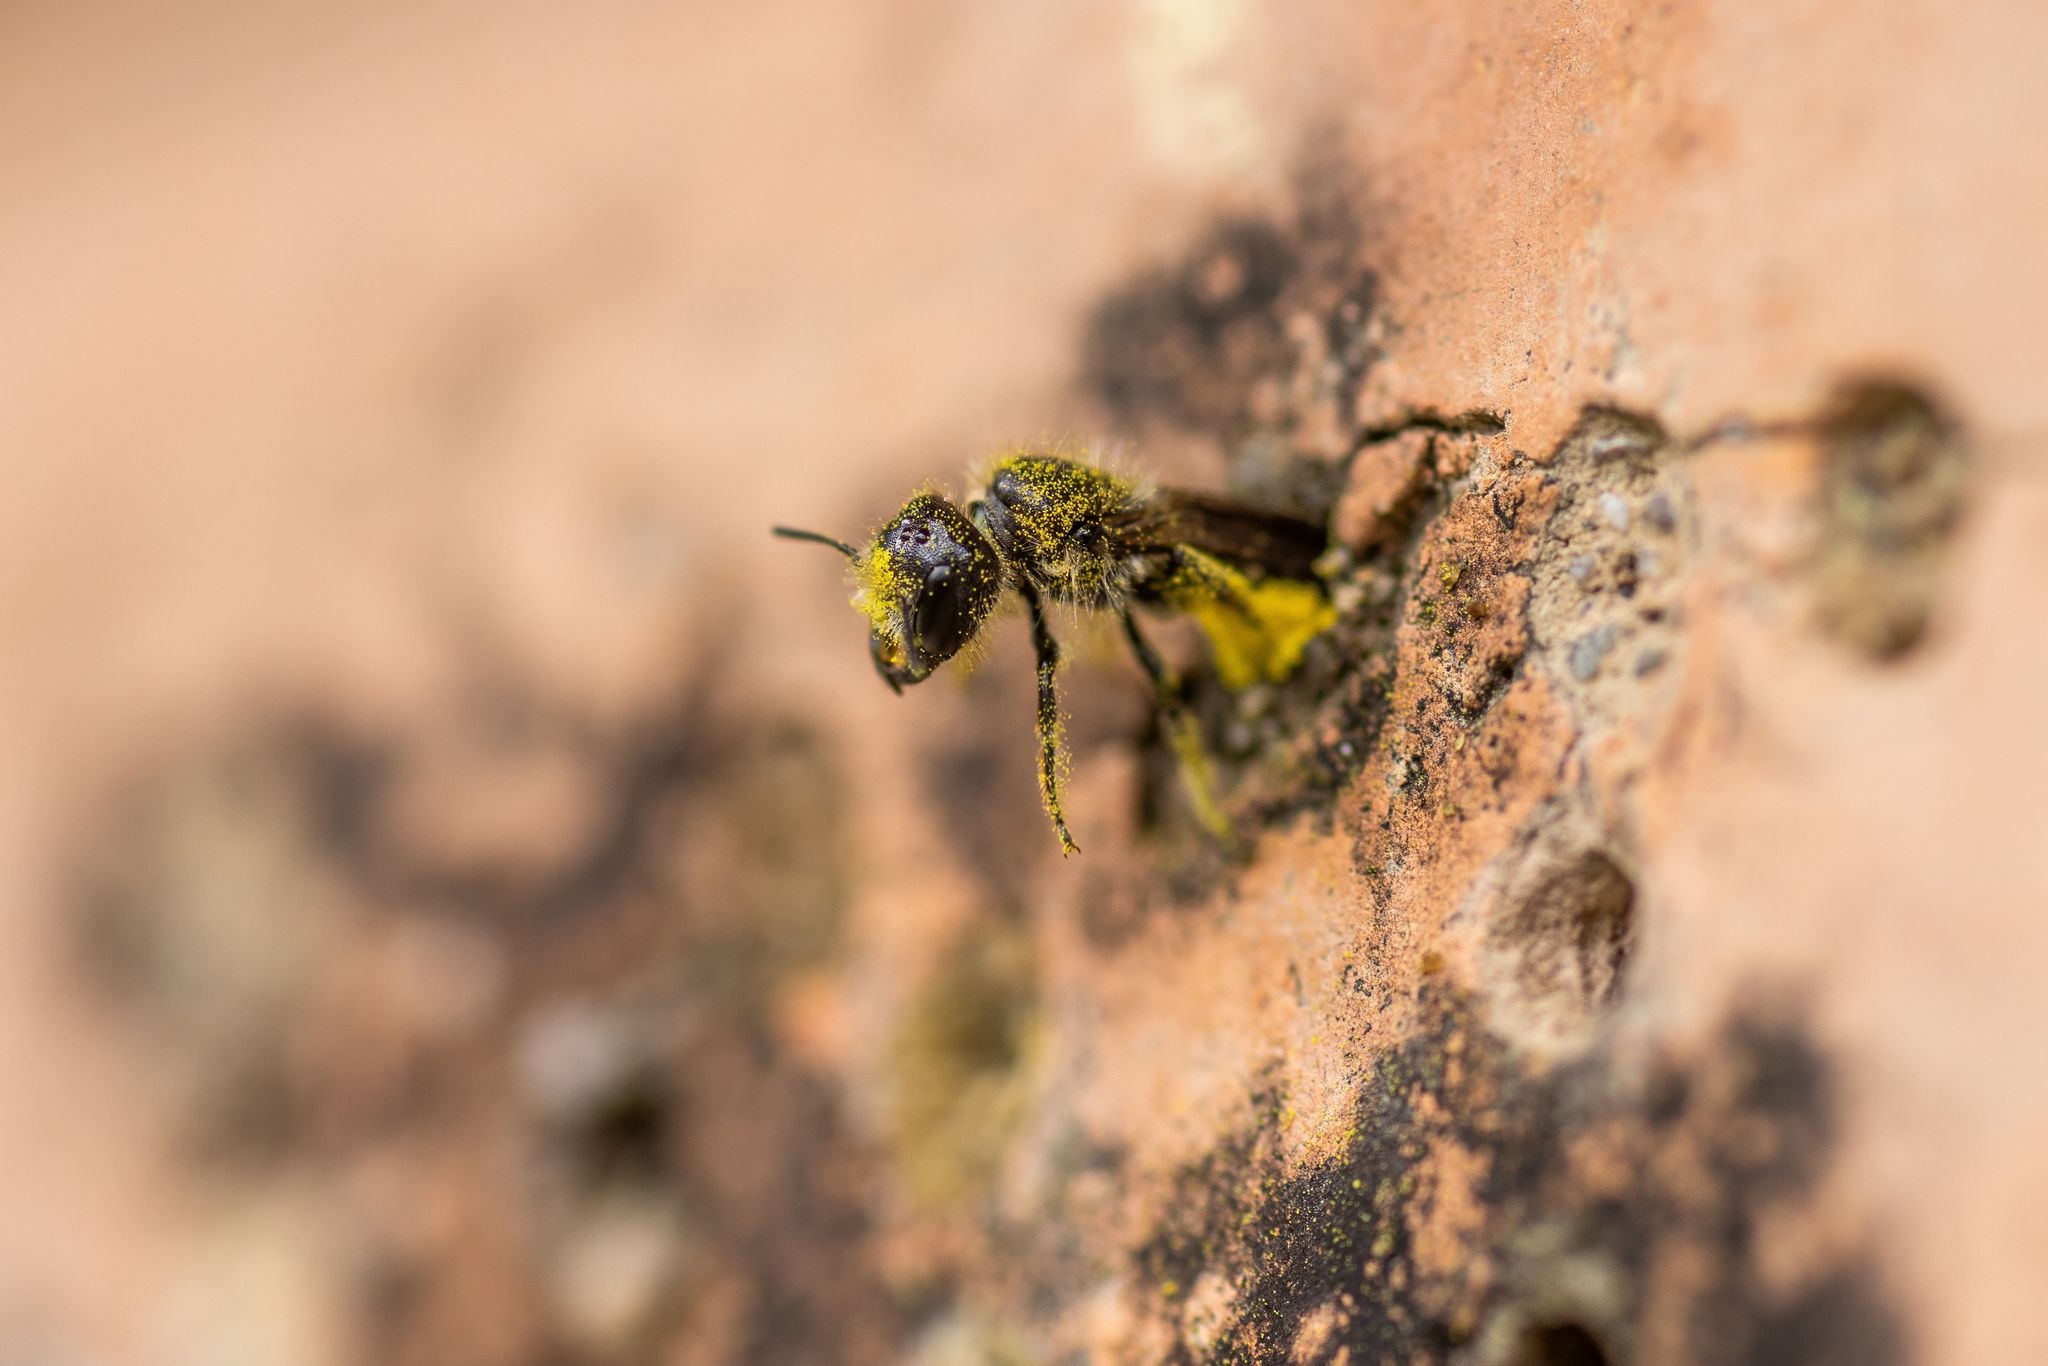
column 1051, row 756
column 1180, row 731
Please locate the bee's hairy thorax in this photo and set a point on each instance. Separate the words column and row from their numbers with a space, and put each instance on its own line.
column 1065, row 527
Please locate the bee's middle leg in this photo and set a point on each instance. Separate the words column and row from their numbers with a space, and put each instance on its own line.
column 1051, row 759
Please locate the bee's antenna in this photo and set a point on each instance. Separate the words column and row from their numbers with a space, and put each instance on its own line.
column 793, row 534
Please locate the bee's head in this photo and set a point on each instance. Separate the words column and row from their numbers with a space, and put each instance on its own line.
column 926, row 583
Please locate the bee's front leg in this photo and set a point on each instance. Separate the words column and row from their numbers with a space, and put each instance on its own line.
column 1051, row 755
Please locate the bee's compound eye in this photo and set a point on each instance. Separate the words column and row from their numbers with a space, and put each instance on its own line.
column 939, row 620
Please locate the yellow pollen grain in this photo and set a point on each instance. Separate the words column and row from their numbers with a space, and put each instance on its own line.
column 881, row 582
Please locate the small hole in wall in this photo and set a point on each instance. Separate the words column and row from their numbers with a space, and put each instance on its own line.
column 1558, row 1344
column 1559, row 945
column 1893, row 494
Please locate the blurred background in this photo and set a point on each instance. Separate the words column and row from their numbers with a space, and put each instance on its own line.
column 429, row 788
column 465, row 897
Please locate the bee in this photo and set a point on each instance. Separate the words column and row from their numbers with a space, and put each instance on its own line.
column 1053, row 529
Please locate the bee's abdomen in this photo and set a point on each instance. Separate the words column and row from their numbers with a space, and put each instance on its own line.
column 1251, row 537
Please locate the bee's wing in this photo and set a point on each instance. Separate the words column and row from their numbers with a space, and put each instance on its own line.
column 1250, row 537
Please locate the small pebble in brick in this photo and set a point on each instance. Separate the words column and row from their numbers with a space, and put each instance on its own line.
column 1588, row 650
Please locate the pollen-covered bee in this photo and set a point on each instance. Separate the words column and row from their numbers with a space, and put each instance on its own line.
column 1055, row 529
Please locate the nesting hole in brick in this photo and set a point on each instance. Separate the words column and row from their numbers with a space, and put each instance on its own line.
column 1558, row 1344
column 1559, row 944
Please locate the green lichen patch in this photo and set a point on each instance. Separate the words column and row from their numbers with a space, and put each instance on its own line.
column 958, row 1067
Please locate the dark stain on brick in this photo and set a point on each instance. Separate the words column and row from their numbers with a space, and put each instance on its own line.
column 1332, row 1245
